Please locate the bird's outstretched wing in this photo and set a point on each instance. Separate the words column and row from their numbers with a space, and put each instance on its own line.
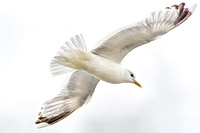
column 117, row 45
column 77, row 90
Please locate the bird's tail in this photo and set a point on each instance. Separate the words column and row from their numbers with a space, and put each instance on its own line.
column 70, row 56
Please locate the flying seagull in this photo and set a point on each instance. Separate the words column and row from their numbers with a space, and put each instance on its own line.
column 86, row 69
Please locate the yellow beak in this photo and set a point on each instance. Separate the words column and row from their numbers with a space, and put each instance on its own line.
column 138, row 84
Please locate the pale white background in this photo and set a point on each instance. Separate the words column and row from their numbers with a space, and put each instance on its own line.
column 31, row 32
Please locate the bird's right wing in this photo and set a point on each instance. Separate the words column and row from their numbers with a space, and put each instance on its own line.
column 77, row 90
column 117, row 45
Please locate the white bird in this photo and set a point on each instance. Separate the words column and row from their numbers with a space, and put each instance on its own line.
column 103, row 62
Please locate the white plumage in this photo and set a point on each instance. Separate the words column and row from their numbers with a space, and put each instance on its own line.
column 103, row 62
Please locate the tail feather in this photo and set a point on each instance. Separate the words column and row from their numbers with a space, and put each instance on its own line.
column 62, row 63
column 78, row 42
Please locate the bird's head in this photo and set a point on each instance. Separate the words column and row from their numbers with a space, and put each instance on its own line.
column 130, row 77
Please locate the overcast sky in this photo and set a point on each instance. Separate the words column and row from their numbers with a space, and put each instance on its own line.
column 31, row 32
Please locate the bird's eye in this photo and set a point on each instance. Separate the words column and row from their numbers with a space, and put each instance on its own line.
column 132, row 75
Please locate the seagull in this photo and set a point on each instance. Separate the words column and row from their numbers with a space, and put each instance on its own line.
column 86, row 68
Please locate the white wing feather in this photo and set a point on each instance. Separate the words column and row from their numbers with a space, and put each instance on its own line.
column 118, row 44
column 77, row 90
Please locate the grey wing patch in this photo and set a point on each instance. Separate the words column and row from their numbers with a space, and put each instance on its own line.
column 76, row 91
column 85, row 85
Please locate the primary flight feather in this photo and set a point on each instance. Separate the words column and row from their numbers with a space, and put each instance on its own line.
column 85, row 69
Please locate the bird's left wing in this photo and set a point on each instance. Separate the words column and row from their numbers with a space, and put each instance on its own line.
column 117, row 45
column 77, row 90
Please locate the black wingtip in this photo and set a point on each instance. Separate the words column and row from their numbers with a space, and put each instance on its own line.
column 54, row 119
column 183, row 13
